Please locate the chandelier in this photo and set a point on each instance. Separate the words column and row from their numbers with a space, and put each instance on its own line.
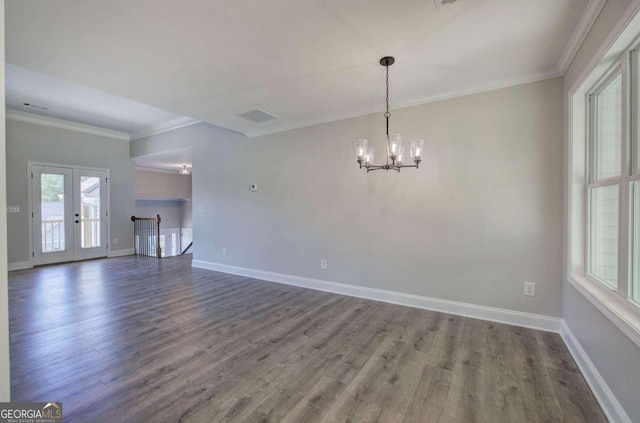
column 396, row 151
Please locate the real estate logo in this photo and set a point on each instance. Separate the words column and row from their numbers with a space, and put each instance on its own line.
column 30, row 412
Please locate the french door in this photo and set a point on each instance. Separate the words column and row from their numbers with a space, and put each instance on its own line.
column 69, row 213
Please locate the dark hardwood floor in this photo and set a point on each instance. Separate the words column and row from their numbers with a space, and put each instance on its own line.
column 144, row 340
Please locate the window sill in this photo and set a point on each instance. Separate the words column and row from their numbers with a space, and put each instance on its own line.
column 620, row 311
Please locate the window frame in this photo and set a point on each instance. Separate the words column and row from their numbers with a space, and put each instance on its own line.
column 634, row 243
column 633, row 163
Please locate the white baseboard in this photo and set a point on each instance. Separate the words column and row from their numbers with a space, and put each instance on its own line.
column 609, row 403
column 20, row 265
column 517, row 318
column 121, row 253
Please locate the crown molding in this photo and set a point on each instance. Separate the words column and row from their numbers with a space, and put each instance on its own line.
column 587, row 20
column 21, row 116
column 169, row 125
column 159, row 170
column 477, row 89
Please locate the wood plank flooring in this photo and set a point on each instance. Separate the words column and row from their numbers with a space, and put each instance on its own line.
column 143, row 340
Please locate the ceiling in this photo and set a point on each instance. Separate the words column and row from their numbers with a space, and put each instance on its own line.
column 74, row 102
column 304, row 61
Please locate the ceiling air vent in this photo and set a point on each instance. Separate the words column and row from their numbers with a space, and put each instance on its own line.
column 35, row 106
column 258, row 116
column 443, row 3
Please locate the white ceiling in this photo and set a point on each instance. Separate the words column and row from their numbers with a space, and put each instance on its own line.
column 305, row 61
column 70, row 101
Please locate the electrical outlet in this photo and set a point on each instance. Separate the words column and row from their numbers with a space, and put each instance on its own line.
column 323, row 264
column 530, row 289
column 115, row 241
column 224, row 251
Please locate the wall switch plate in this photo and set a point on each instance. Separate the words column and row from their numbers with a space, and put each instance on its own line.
column 13, row 209
column 115, row 241
column 530, row 289
column 224, row 251
column 253, row 187
column 323, row 263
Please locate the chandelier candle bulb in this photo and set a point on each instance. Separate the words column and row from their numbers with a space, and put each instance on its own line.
column 394, row 146
column 369, row 156
column 399, row 159
column 360, row 149
column 417, row 147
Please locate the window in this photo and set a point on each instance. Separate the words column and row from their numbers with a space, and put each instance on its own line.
column 608, row 130
column 633, row 182
column 612, row 200
column 603, row 220
column 635, row 241
column 603, row 185
column 604, row 176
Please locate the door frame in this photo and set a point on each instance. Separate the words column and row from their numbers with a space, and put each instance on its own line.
column 30, row 211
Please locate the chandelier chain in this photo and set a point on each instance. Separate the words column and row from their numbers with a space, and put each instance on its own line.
column 387, row 114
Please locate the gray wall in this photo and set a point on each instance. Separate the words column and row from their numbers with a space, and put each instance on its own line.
column 162, row 185
column 169, row 210
column 481, row 216
column 186, row 214
column 5, row 388
column 28, row 141
column 613, row 354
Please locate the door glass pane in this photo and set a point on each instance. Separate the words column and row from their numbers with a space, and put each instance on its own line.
column 90, row 211
column 609, row 130
column 52, row 212
column 635, row 236
column 604, row 234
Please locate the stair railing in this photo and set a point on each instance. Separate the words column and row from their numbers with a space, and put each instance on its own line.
column 146, row 232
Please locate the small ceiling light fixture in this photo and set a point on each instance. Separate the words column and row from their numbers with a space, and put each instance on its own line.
column 395, row 150
column 185, row 170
